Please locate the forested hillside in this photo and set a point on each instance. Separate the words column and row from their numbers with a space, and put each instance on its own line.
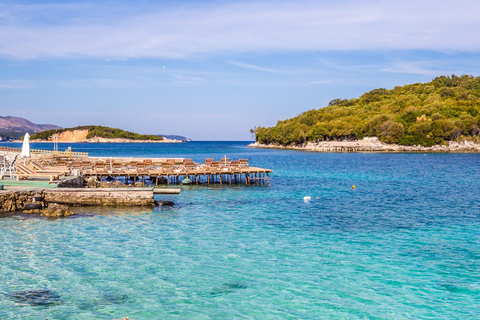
column 447, row 108
column 98, row 131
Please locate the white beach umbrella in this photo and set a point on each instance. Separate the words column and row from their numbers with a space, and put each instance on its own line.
column 26, row 146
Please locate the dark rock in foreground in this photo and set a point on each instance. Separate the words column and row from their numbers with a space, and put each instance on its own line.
column 77, row 182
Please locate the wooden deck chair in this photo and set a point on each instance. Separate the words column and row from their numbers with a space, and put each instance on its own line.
column 157, row 164
column 235, row 164
column 170, row 162
column 141, row 168
column 24, row 172
column 148, row 164
column 225, row 162
column 61, row 163
column 243, row 163
column 208, row 162
column 100, row 168
column 37, row 165
column 189, row 166
column 117, row 168
column 215, row 167
column 132, row 165
column 83, row 164
column 76, row 165
column 166, row 169
column 40, row 168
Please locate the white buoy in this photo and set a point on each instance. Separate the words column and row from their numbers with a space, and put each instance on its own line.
column 307, row 198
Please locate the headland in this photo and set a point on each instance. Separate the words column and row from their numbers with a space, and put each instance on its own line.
column 87, row 135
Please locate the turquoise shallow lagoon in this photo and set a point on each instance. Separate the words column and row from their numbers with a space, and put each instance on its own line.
column 405, row 244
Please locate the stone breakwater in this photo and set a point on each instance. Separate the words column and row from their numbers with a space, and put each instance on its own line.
column 101, row 196
column 20, row 200
column 16, row 200
column 372, row 145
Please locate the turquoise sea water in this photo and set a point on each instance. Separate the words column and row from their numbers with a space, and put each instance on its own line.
column 405, row 244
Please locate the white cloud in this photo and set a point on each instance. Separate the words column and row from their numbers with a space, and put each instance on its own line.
column 126, row 31
column 417, row 67
column 99, row 83
column 323, row 81
column 188, row 79
column 254, row 67
column 15, row 84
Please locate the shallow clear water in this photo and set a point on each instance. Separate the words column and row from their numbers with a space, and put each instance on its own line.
column 405, row 244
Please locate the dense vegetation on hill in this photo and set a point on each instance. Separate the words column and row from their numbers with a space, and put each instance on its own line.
column 447, row 108
column 98, row 131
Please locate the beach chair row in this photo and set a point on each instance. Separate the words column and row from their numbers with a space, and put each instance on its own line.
column 147, row 166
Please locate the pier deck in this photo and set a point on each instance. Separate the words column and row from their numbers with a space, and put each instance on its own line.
column 144, row 171
column 248, row 175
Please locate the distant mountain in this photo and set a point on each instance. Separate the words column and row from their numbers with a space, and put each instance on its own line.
column 174, row 137
column 14, row 127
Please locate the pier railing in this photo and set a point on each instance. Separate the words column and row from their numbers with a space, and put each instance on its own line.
column 47, row 152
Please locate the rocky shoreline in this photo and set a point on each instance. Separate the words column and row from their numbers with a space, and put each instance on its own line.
column 372, row 145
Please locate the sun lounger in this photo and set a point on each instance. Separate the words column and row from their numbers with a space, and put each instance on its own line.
column 100, row 168
column 243, row 163
column 40, row 168
column 117, row 168
column 24, row 172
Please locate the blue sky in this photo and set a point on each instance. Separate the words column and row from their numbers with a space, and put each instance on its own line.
column 211, row 70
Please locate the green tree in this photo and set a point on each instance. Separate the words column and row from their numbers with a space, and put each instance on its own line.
column 392, row 131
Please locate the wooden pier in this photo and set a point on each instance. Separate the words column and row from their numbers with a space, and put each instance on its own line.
column 250, row 175
column 141, row 172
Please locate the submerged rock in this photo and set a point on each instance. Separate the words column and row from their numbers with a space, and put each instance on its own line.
column 35, row 297
column 164, row 203
column 57, row 210
column 227, row 288
column 114, row 298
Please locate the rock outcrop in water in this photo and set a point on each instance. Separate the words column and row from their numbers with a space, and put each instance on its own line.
column 372, row 144
column 55, row 210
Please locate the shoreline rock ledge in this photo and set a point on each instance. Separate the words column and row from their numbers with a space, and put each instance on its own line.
column 371, row 144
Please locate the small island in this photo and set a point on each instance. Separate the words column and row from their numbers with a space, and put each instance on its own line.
column 439, row 116
column 97, row 134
